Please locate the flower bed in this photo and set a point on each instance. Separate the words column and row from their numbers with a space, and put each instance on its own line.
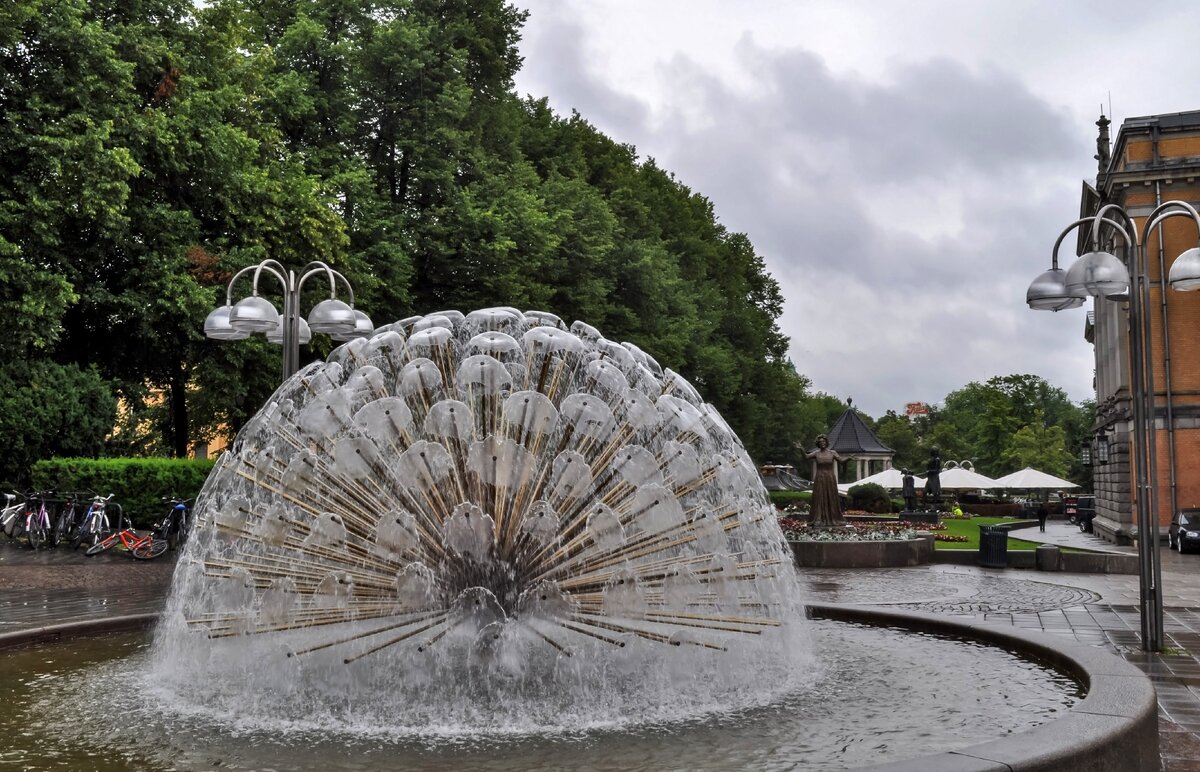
column 856, row 544
column 798, row 530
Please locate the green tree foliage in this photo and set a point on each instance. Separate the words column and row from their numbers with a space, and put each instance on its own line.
column 980, row 421
column 818, row 412
column 900, row 434
column 49, row 410
column 870, row 497
column 136, row 167
column 1041, row 447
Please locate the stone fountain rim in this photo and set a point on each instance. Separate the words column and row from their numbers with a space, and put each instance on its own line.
column 77, row 629
column 1116, row 722
column 1118, row 714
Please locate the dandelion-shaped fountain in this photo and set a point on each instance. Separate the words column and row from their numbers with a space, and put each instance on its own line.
column 482, row 522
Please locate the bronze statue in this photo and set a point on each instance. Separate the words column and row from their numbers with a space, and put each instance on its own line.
column 933, row 480
column 908, row 489
column 826, row 507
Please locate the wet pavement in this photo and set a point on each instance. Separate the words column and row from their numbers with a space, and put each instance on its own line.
column 53, row 586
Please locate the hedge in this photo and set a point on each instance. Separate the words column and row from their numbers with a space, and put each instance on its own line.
column 783, row 498
column 994, row 510
column 139, row 483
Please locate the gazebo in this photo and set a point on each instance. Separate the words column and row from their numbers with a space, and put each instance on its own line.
column 852, row 439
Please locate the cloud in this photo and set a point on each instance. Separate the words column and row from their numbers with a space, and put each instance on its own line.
column 903, row 214
column 566, row 76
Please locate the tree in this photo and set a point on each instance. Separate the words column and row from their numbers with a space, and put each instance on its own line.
column 897, row 432
column 1041, row 447
column 49, row 410
column 978, row 421
column 818, row 413
column 153, row 148
column 135, row 157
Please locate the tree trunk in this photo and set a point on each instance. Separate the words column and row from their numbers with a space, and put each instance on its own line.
column 179, row 416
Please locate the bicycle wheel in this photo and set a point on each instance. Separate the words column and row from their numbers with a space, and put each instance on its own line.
column 56, row 531
column 99, row 547
column 177, row 533
column 37, row 537
column 149, row 549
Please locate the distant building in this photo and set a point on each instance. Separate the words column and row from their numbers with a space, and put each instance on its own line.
column 854, row 440
column 1154, row 159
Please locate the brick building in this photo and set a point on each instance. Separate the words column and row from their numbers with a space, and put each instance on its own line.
column 1153, row 159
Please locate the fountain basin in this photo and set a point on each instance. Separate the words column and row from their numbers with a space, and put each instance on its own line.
column 1113, row 727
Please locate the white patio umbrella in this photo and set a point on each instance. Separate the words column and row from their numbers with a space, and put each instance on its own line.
column 892, row 479
column 959, row 479
column 1031, row 479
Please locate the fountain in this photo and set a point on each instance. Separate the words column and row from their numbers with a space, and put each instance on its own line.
column 494, row 541
column 484, row 521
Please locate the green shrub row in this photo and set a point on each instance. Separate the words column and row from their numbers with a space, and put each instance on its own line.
column 783, row 498
column 139, row 483
column 995, row 510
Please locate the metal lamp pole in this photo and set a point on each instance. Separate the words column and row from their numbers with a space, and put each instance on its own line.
column 1101, row 274
column 256, row 314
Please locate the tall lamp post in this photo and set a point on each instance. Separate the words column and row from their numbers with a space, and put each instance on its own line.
column 1102, row 274
column 256, row 314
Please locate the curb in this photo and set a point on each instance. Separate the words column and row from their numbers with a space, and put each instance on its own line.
column 1114, row 728
column 65, row 630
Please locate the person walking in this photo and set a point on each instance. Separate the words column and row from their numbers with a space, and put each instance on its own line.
column 1042, row 513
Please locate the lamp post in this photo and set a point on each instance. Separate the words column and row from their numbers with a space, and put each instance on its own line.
column 256, row 314
column 1102, row 274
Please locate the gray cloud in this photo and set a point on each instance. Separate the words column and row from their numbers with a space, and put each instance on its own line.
column 903, row 214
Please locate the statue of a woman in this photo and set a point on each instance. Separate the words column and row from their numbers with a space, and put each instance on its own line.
column 826, row 508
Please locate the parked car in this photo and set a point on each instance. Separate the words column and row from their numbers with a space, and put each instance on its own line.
column 1184, row 532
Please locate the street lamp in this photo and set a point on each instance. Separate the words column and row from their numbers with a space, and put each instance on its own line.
column 256, row 314
column 1103, row 447
column 1102, row 274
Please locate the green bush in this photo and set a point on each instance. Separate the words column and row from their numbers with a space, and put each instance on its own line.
column 139, row 483
column 871, row 497
column 782, row 498
column 995, row 510
column 48, row 409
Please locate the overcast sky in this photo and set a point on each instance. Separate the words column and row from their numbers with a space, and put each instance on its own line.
column 903, row 167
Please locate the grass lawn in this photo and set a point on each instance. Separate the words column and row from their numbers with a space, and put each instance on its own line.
column 970, row 529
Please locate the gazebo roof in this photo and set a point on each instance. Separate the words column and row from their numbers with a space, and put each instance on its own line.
column 851, row 437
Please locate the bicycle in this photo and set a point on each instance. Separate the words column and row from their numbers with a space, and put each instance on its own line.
column 10, row 515
column 66, row 525
column 175, row 525
column 141, row 547
column 95, row 523
column 37, row 520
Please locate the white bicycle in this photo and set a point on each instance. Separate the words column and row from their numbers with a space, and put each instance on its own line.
column 10, row 515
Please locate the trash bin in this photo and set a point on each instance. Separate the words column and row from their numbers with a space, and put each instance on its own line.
column 993, row 546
